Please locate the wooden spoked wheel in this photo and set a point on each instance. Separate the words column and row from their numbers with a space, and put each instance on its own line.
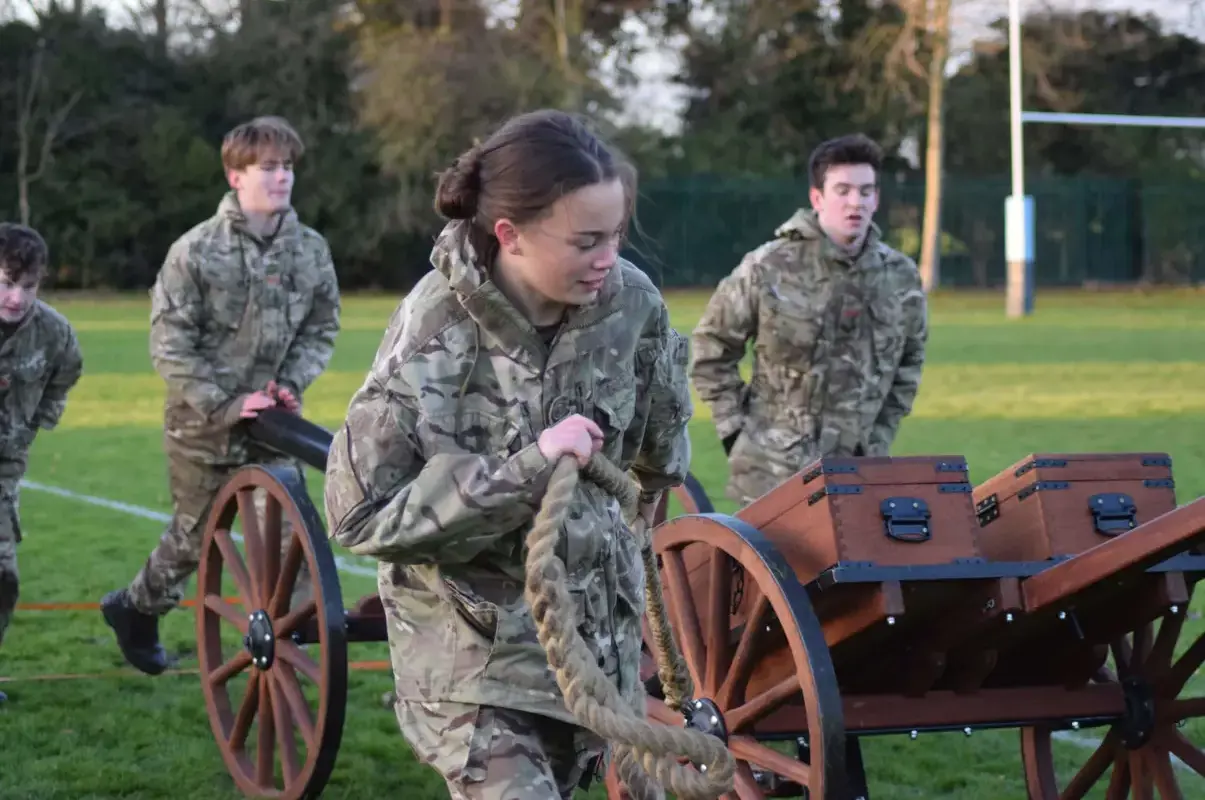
column 1137, row 756
column 260, row 685
column 754, row 647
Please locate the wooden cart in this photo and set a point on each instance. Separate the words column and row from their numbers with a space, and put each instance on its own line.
column 290, row 667
column 890, row 596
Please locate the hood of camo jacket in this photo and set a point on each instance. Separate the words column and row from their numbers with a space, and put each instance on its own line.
column 437, row 473
column 838, row 352
column 229, row 313
column 40, row 361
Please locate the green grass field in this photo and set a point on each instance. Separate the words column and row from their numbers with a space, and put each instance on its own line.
column 1088, row 372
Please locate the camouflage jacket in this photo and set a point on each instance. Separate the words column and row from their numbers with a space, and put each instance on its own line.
column 230, row 312
column 40, row 361
column 437, row 473
column 839, row 345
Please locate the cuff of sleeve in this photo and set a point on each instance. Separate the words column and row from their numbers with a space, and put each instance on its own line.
column 530, row 464
column 291, row 385
column 229, row 413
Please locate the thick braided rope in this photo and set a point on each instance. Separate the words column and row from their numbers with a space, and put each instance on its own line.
column 645, row 751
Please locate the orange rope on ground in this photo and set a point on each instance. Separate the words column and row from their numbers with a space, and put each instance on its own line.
column 358, row 666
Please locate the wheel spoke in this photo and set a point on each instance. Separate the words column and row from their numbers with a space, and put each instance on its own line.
column 1119, row 781
column 745, row 784
column 246, row 713
column 253, row 542
column 683, row 606
column 745, row 657
column 222, row 675
column 285, row 732
column 1160, row 764
column 1160, row 658
column 745, row 716
column 270, row 538
column 1140, row 776
column 226, row 611
column 288, row 577
column 719, row 596
column 756, row 753
column 291, row 622
column 265, row 745
column 233, row 561
column 1184, row 667
column 286, row 679
column 658, row 711
column 297, row 657
column 1186, row 751
column 1186, row 708
column 1093, row 769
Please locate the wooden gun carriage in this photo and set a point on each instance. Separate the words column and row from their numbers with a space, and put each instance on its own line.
column 870, row 596
column 860, row 597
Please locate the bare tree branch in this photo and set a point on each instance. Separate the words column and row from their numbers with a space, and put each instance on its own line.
column 27, row 99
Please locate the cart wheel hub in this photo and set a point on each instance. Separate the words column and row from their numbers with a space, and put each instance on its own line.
column 260, row 640
column 704, row 715
column 1138, row 722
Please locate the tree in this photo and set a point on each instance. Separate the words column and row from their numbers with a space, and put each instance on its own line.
column 777, row 77
column 1092, row 62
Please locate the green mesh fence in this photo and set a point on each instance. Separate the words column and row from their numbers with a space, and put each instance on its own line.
column 694, row 230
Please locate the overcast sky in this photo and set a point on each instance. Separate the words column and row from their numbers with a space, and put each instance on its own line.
column 656, row 101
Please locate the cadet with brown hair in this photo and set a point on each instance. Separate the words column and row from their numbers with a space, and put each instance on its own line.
column 40, row 362
column 530, row 340
column 839, row 324
column 244, row 315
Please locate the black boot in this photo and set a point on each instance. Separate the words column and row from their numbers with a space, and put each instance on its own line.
column 137, row 633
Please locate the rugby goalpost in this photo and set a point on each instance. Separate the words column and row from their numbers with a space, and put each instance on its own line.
column 1018, row 208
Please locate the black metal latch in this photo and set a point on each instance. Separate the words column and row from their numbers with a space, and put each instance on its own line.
column 1112, row 512
column 906, row 519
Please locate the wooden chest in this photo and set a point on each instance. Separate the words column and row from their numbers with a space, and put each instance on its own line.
column 1050, row 504
column 886, row 511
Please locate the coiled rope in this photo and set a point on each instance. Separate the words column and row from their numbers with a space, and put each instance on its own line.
column 647, row 754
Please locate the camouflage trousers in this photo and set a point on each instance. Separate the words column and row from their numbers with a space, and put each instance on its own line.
column 10, row 536
column 159, row 585
column 491, row 753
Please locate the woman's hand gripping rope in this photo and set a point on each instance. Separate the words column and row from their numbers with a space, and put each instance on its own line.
column 647, row 753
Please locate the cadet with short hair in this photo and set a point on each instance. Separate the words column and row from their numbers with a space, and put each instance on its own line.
column 244, row 315
column 40, row 362
column 839, row 323
column 530, row 340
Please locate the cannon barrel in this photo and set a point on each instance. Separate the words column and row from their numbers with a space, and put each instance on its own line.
column 292, row 435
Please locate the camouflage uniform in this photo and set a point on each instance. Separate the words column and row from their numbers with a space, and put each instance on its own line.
column 40, row 361
column 838, row 353
column 437, row 473
column 229, row 313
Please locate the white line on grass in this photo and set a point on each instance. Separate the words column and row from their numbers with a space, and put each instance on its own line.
column 158, row 516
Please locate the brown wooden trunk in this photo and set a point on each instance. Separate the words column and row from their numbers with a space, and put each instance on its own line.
column 899, row 511
column 1051, row 505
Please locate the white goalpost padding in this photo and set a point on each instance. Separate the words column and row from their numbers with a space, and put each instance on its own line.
column 1018, row 208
